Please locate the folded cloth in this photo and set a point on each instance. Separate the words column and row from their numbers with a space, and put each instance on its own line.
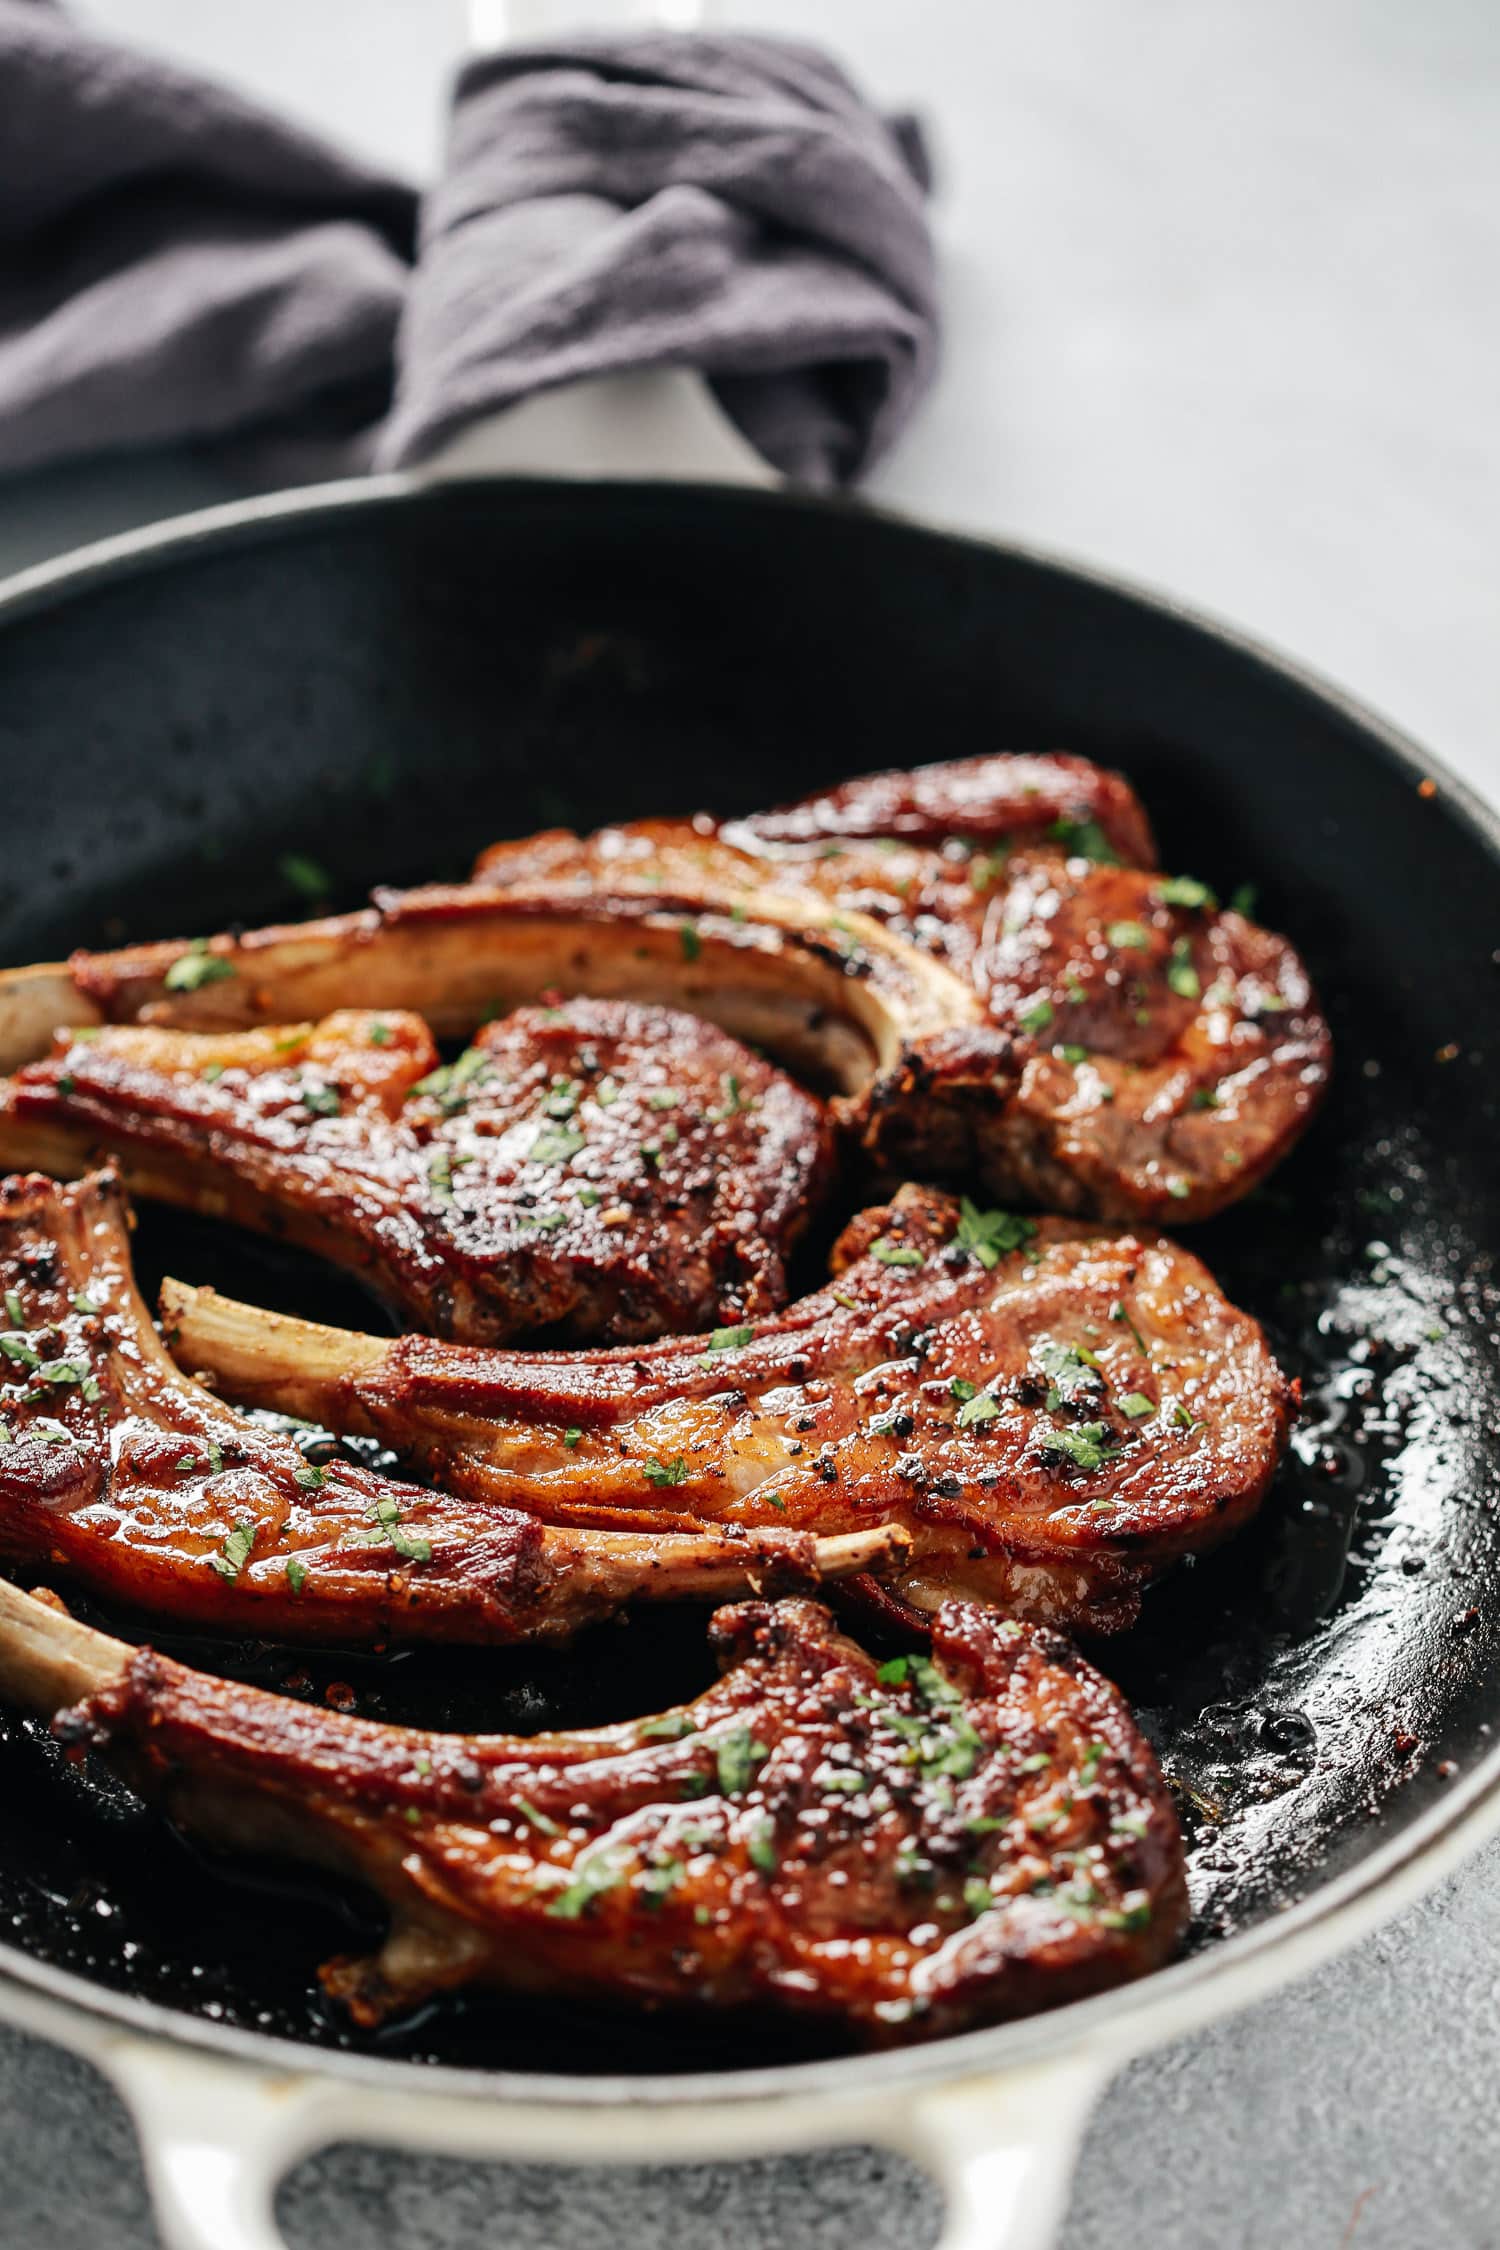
column 176, row 263
column 729, row 204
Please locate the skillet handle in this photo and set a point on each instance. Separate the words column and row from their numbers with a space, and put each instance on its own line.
column 216, row 2140
column 1004, row 2150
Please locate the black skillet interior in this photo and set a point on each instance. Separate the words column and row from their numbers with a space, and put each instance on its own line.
column 385, row 686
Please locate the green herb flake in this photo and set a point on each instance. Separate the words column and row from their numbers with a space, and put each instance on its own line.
column 761, row 1848
column 296, row 1574
column 670, row 1472
column 555, row 1144
column 1071, row 1053
column 726, row 1340
column 212, row 1072
column 888, row 1253
column 235, row 1552
column 671, row 1726
column 738, row 1757
column 311, row 1478
column 1131, row 937
column 571, row 1437
column 410, row 1545
column 594, row 1873
column 984, row 1408
column 1093, row 1757
column 21, row 1350
column 691, row 943
column 1182, row 977
column 321, row 1098
column 893, row 1673
column 1084, row 839
column 440, row 1176
column 1186, row 891
column 1244, row 900
column 987, row 1235
column 1086, row 1445
column 656, row 1884
column 14, row 1308
column 1136, row 1404
column 380, row 1035
column 538, row 1820
column 1037, row 1016
column 197, row 967
column 306, row 876
column 978, row 1897
column 1178, row 1188
column 962, row 1389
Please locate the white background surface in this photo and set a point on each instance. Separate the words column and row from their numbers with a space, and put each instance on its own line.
column 1223, row 311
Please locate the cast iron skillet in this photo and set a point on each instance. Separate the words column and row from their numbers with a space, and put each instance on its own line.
column 385, row 678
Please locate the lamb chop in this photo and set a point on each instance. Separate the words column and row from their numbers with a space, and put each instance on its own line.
column 120, row 1473
column 1053, row 1414
column 901, row 1851
column 1033, row 1015
column 609, row 1171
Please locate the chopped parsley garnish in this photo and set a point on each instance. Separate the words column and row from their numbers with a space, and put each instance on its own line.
column 727, row 1340
column 691, row 943
column 562, row 1097
column 594, row 1873
column 738, row 1757
column 197, row 967
column 1037, row 1016
column 235, row 1552
column 962, row 1389
column 296, row 1574
column 449, row 1084
column 588, row 1197
column 893, row 1672
column 1085, row 839
column 305, row 875
column 1074, row 1054
column 21, row 1350
column 1178, row 1189
column 212, row 1072
column 440, row 1175
column 1186, row 891
column 1181, row 975
column 987, row 1234
column 670, row 1727
column 1132, row 936
column 571, row 1437
column 321, row 1099
column 761, row 1848
column 733, row 1102
column 15, row 1308
column 1092, row 1759
column 663, row 1098
column 537, row 1819
column 888, row 1253
column 310, row 1478
column 666, row 1472
column 555, row 1144
column 657, row 1883
column 1087, row 1445
column 1136, row 1404
column 978, row 1897
column 380, row 1035
column 984, row 1408
column 1243, row 901
column 62, row 1371
column 1183, row 1420
column 1071, row 1369
column 410, row 1545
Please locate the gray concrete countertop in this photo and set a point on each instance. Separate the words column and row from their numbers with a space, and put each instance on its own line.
column 1223, row 313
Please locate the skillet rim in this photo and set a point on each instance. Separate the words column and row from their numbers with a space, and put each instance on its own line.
column 1466, row 1815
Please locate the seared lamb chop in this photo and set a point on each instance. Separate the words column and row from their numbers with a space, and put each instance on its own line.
column 611, row 1171
column 1060, row 1027
column 141, row 1485
column 901, row 1852
column 1052, row 1413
